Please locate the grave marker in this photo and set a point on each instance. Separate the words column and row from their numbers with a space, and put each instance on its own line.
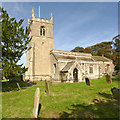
column 116, row 92
column 47, row 87
column 36, row 103
column 18, row 86
column 108, row 78
column 50, row 83
column 87, row 81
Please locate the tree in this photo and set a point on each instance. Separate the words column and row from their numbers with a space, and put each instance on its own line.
column 78, row 49
column 14, row 43
column 103, row 48
column 116, row 43
column 87, row 50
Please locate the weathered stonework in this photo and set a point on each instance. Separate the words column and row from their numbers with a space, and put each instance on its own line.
column 38, row 57
column 45, row 63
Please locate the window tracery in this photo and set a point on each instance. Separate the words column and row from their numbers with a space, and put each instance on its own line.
column 42, row 31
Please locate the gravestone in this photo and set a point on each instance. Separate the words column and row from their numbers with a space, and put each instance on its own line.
column 47, row 87
column 87, row 81
column 118, row 75
column 18, row 86
column 116, row 92
column 50, row 81
column 36, row 103
column 108, row 78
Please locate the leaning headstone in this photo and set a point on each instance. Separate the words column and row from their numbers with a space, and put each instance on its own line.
column 36, row 103
column 108, row 78
column 118, row 75
column 116, row 92
column 47, row 87
column 50, row 83
column 18, row 86
column 87, row 81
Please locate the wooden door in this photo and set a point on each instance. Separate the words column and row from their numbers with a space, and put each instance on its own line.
column 75, row 75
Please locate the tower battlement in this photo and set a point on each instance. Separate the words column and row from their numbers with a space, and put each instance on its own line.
column 39, row 20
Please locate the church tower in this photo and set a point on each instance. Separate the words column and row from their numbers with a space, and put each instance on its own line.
column 38, row 57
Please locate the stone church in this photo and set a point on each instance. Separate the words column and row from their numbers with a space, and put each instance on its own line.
column 45, row 63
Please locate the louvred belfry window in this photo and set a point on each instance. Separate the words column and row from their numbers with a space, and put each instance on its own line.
column 42, row 31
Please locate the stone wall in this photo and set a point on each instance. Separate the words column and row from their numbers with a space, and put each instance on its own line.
column 38, row 58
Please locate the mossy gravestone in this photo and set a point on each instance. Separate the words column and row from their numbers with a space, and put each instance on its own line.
column 87, row 81
column 108, row 78
column 116, row 92
column 50, row 83
column 18, row 86
column 36, row 103
column 47, row 87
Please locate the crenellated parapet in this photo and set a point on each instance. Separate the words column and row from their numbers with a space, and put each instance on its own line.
column 33, row 19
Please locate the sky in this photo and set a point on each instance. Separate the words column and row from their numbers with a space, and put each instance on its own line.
column 75, row 23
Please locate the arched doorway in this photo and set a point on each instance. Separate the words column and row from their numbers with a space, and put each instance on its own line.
column 75, row 75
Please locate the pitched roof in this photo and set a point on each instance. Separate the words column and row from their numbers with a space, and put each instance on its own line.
column 101, row 58
column 68, row 66
column 85, row 59
column 58, row 56
column 70, row 53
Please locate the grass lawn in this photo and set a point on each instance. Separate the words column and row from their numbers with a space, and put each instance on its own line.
column 66, row 100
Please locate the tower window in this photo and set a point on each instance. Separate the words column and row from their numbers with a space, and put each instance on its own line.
column 42, row 31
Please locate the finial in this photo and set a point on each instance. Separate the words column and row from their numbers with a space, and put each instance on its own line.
column 51, row 19
column 33, row 13
column 39, row 11
column 28, row 20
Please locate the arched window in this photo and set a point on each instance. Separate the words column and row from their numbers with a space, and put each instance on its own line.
column 75, row 75
column 54, row 68
column 91, row 69
column 107, row 68
column 42, row 31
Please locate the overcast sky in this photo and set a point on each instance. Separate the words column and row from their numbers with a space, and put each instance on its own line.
column 75, row 24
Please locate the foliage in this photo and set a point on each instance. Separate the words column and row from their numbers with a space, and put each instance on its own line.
column 14, row 43
column 65, row 100
column 103, row 48
column 87, row 50
column 78, row 49
column 116, row 43
column 12, row 86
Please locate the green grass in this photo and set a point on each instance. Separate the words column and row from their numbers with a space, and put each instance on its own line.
column 66, row 100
